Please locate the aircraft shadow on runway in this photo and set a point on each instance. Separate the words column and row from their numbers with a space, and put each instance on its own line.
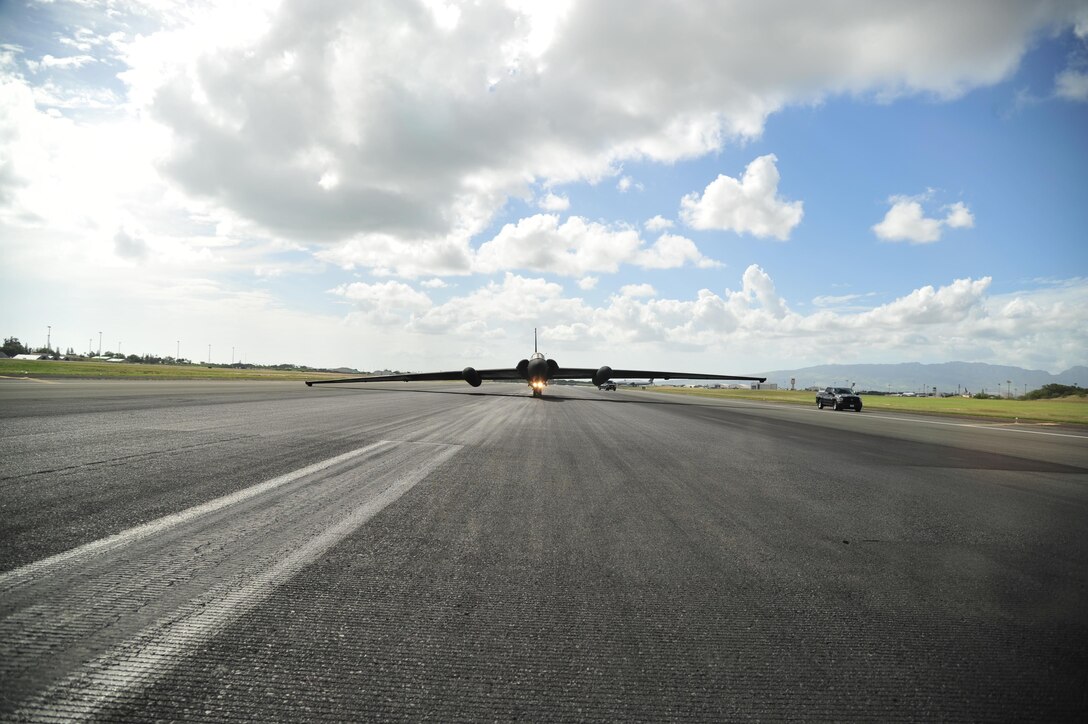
column 545, row 398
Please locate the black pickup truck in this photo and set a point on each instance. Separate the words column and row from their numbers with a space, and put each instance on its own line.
column 841, row 398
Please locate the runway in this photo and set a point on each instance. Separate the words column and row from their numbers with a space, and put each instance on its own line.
column 267, row 551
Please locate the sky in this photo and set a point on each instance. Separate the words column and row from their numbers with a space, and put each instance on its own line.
column 718, row 187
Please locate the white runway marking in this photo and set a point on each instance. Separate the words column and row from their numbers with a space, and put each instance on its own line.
column 11, row 579
column 906, row 417
column 142, row 600
column 976, row 425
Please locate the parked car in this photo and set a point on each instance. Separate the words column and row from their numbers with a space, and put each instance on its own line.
column 840, row 398
column 607, row 386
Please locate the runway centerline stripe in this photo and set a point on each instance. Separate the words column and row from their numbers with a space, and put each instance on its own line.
column 17, row 577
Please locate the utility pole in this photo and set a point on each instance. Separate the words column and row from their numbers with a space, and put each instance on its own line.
column 49, row 337
column 177, row 355
column 100, row 344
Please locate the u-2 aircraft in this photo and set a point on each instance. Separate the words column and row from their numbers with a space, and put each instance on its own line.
column 538, row 371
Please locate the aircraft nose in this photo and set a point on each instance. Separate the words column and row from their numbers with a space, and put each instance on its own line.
column 538, row 369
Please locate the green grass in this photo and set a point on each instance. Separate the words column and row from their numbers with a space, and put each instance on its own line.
column 126, row 370
column 1066, row 410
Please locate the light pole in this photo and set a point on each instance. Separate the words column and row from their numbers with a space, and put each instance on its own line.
column 209, row 354
column 177, row 355
column 100, row 344
column 49, row 337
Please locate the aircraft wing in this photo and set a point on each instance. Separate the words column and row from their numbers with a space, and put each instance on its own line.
column 562, row 373
column 499, row 374
column 578, row 373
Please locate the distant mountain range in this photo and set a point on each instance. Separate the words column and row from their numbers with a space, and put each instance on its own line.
column 916, row 377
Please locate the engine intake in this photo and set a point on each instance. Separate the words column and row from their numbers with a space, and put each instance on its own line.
column 602, row 375
column 471, row 376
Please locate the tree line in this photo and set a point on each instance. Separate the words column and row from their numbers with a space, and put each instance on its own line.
column 12, row 346
column 1054, row 390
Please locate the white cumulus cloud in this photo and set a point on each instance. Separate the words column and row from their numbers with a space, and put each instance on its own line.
column 503, row 95
column 390, row 294
column 577, row 247
column 299, row 121
column 958, row 216
column 554, row 202
column 638, row 290
column 747, row 205
column 1071, row 85
column 658, row 223
column 386, row 254
column 906, row 221
column 383, row 302
column 671, row 251
column 950, row 304
column 957, row 320
column 516, row 299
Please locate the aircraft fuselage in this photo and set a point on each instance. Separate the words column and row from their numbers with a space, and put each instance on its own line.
column 538, row 372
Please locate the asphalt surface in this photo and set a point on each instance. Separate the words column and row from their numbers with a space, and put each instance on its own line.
column 267, row 551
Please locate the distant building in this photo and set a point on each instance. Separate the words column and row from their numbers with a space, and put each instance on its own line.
column 31, row 356
column 764, row 385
